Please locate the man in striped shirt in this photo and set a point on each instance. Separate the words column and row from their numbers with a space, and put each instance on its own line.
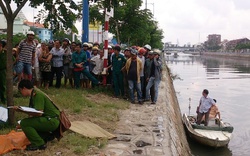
column 26, row 57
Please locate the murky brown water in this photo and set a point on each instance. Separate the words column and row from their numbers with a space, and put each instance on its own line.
column 228, row 81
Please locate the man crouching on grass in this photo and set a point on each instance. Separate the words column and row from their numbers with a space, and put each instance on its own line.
column 38, row 127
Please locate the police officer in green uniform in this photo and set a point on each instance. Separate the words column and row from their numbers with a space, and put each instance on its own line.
column 38, row 128
column 3, row 60
column 118, row 62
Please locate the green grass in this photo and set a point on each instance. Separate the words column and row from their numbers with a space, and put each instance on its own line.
column 95, row 105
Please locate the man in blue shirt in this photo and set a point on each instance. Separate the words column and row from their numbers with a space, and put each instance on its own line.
column 57, row 63
column 79, row 59
column 204, row 107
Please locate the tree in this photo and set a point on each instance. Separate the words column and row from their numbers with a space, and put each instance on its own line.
column 60, row 35
column 62, row 16
column 58, row 15
column 130, row 24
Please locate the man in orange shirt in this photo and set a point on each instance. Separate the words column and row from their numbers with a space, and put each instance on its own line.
column 214, row 111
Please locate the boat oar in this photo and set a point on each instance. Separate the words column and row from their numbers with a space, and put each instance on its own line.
column 189, row 107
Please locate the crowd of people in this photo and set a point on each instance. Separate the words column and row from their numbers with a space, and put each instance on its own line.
column 129, row 71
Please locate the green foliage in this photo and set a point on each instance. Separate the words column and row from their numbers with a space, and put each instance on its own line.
column 242, row 46
column 212, row 45
column 16, row 38
column 130, row 24
column 60, row 35
column 58, row 14
column 95, row 15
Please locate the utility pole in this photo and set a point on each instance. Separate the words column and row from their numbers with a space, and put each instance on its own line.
column 85, row 21
column 146, row 3
column 106, row 42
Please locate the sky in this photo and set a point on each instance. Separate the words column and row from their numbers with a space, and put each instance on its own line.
column 191, row 21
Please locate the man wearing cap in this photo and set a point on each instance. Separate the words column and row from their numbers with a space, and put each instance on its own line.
column 66, row 60
column 155, row 75
column 118, row 62
column 57, row 63
column 127, row 53
column 134, row 67
column 3, row 63
column 148, row 49
column 90, row 46
column 26, row 56
column 95, row 52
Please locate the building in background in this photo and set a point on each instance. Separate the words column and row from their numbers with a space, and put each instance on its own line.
column 214, row 38
column 3, row 23
column 22, row 25
column 232, row 44
column 19, row 26
column 42, row 33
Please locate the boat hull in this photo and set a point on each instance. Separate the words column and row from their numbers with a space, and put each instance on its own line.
column 207, row 137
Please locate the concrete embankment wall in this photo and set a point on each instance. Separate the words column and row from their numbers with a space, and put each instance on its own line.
column 245, row 56
column 177, row 137
column 151, row 129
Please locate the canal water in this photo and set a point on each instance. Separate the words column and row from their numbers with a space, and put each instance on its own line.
column 228, row 81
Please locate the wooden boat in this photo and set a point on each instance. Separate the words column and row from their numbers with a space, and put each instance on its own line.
column 216, row 134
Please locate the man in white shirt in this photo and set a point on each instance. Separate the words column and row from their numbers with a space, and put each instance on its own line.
column 97, row 61
column 204, row 107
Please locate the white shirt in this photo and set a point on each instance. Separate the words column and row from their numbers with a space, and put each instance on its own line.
column 205, row 104
column 143, row 63
column 37, row 55
column 98, row 64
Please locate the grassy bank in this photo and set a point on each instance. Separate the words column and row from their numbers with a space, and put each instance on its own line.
column 95, row 105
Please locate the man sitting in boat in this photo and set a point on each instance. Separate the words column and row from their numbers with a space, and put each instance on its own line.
column 204, row 107
column 214, row 112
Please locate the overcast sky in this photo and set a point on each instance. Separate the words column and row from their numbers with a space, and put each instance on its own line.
column 190, row 21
